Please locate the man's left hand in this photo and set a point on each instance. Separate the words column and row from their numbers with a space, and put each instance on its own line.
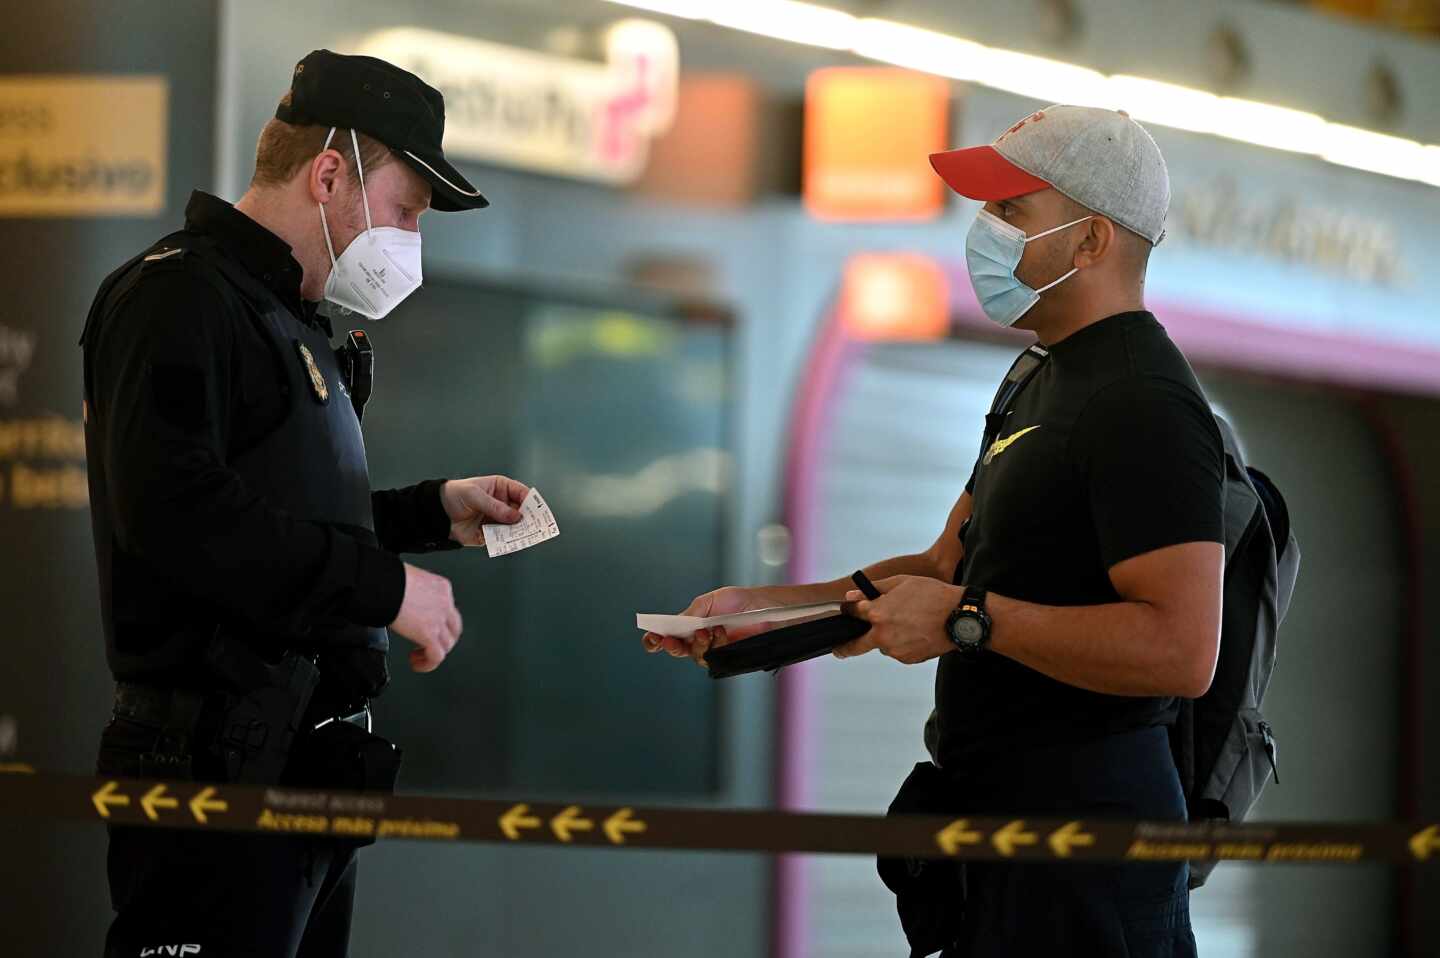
column 907, row 622
column 472, row 503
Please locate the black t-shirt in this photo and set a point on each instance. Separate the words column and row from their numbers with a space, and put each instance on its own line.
column 1110, row 451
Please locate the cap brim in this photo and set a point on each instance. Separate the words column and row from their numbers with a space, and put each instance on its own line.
column 450, row 192
column 981, row 173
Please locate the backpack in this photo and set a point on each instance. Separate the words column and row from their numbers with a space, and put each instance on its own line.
column 1224, row 749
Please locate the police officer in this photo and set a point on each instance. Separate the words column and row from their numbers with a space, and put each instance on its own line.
column 248, row 573
column 1074, row 594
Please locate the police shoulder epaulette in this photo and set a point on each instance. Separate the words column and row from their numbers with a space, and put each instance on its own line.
column 169, row 255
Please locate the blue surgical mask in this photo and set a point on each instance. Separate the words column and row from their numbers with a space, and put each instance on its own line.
column 992, row 251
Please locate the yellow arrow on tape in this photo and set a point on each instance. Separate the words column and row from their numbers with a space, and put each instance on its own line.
column 106, row 797
column 516, row 819
column 1426, row 842
column 1011, row 835
column 155, row 798
column 202, row 803
column 570, row 821
column 1067, row 838
column 621, row 822
column 955, row 834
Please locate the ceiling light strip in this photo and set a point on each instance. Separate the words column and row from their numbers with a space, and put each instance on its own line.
column 1053, row 81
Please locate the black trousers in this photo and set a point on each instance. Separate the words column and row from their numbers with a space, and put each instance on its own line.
column 228, row 894
column 1078, row 911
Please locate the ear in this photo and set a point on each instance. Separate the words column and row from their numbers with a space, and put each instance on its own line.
column 324, row 176
column 1099, row 242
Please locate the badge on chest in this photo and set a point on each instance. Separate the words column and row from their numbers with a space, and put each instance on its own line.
column 317, row 379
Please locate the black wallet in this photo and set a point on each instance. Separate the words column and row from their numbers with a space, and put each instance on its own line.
column 773, row 650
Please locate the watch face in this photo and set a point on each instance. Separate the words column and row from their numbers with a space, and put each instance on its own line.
column 968, row 629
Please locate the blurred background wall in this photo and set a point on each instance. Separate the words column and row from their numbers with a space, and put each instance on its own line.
column 709, row 341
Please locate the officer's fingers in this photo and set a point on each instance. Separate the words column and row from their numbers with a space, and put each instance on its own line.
column 652, row 642
column 677, row 647
column 511, row 489
column 454, row 626
column 492, row 508
column 421, row 660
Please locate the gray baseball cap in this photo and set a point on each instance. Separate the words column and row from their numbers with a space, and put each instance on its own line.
column 1101, row 159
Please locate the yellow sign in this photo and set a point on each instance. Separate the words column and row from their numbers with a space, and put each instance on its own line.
column 156, row 799
column 1067, row 838
column 1426, row 842
column 957, row 833
column 204, row 802
column 622, row 822
column 106, row 797
column 83, row 145
column 1007, row 838
column 516, row 819
column 570, row 821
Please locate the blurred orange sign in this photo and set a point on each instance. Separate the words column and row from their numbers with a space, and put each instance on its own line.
column 868, row 135
column 889, row 296
column 82, row 145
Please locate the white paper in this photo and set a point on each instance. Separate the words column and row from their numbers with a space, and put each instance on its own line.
column 537, row 524
column 683, row 626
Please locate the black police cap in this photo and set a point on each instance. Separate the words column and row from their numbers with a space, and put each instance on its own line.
column 390, row 104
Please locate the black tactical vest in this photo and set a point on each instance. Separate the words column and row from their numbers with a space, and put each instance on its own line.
column 312, row 464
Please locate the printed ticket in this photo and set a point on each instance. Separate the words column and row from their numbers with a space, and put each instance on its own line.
column 537, row 524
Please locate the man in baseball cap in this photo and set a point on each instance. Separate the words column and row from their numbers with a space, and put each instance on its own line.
column 1074, row 594
column 1059, row 168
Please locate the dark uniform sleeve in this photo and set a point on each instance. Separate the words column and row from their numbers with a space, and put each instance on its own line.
column 412, row 519
column 163, row 384
column 1151, row 458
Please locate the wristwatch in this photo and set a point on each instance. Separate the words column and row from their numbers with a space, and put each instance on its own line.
column 969, row 625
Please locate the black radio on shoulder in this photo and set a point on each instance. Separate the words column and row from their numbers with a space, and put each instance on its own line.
column 968, row 627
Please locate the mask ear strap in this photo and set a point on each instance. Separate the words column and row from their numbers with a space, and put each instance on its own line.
column 1063, row 226
column 359, row 168
column 1058, row 281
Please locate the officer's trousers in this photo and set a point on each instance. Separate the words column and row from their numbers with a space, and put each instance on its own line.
column 226, row 894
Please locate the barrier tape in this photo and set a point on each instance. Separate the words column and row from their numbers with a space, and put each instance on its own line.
column 274, row 810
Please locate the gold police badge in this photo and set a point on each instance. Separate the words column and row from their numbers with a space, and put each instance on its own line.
column 317, row 378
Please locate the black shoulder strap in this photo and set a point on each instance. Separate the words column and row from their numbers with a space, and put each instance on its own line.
column 1021, row 372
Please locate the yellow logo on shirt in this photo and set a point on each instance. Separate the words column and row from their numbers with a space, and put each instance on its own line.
column 1000, row 445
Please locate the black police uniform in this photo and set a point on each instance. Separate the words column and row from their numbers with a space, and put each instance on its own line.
column 230, row 500
column 247, row 570
column 1110, row 452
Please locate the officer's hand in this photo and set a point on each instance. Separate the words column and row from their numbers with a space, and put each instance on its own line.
column 471, row 503
column 428, row 618
column 720, row 602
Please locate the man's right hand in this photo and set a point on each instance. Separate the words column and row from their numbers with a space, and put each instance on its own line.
column 428, row 618
column 720, row 602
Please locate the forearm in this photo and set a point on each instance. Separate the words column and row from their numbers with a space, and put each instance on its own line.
column 412, row 519
column 1122, row 648
column 834, row 591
